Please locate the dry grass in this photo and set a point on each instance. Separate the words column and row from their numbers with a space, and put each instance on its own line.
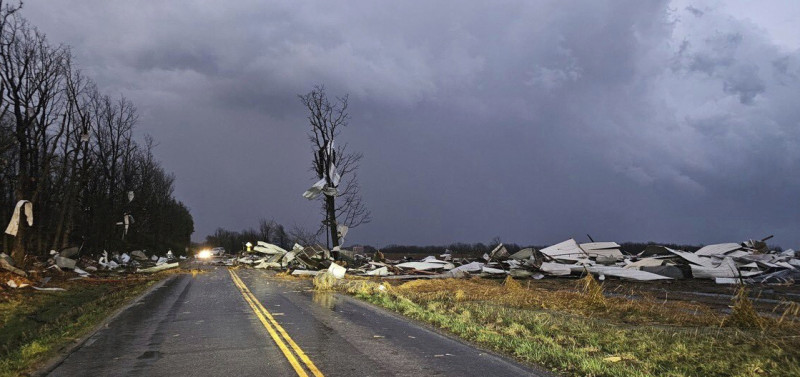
column 584, row 332
column 790, row 312
column 287, row 275
column 324, row 282
column 743, row 314
column 593, row 292
column 589, row 300
column 512, row 285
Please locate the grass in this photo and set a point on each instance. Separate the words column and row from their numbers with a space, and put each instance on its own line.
column 582, row 332
column 743, row 314
column 324, row 282
column 35, row 326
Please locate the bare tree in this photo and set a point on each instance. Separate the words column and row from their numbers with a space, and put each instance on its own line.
column 333, row 164
column 80, row 91
column 70, row 151
column 32, row 73
column 303, row 236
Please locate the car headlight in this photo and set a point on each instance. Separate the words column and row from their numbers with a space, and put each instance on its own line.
column 204, row 254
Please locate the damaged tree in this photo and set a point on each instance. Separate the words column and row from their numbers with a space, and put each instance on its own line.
column 333, row 165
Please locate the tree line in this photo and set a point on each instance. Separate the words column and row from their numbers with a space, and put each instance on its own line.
column 476, row 249
column 70, row 150
column 275, row 233
column 268, row 231
column 479, row 248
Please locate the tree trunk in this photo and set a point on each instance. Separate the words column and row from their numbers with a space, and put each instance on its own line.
column 68, row 202
column 67, row 230
column 4, row 215
column 330, row 206
column 18, row 248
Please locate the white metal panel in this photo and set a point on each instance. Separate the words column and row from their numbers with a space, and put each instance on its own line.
column 626, row 273
column 567, row 250
column 718, row 249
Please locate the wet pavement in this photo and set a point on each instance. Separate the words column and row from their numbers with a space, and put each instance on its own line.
column 203, row 326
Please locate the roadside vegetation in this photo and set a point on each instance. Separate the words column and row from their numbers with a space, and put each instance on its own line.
column 35, row 326
column 584, row 332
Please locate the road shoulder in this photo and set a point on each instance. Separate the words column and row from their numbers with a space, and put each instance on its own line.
column 53, row 362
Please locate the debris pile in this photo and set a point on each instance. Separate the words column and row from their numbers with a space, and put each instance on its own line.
column 266, row 255
column 70, row 263
column 749, row 262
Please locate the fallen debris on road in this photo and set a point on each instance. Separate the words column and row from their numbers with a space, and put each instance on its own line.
column 157, row 268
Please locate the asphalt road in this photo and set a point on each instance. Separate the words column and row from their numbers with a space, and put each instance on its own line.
column 246, row 323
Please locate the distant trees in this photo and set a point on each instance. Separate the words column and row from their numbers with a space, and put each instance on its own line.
column 230, row 240
column 460, row 248
column 71, row 152
column 268, row 231
column 272, row 232
column 334, row 166
column 478, row 249
column 632, row 248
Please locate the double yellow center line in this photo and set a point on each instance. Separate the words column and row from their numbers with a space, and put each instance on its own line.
column 274, row 329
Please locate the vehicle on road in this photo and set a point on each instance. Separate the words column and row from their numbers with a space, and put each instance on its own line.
column 207, row 254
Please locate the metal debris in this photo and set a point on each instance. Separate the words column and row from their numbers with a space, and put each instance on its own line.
column 162, row 267
column 748, row 262
column 138, row 254
column 13, row 225
column 70, row 252
column 8, row 264
column 337, row 271
column 13, row 284
column 62, row 262
column 567, row 251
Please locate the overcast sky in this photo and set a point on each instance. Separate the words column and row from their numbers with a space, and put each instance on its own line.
column 534, row 121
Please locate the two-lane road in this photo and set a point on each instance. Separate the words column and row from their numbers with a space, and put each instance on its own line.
column 245, row 323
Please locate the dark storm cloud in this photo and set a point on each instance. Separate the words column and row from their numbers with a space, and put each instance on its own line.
column 533, row 121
